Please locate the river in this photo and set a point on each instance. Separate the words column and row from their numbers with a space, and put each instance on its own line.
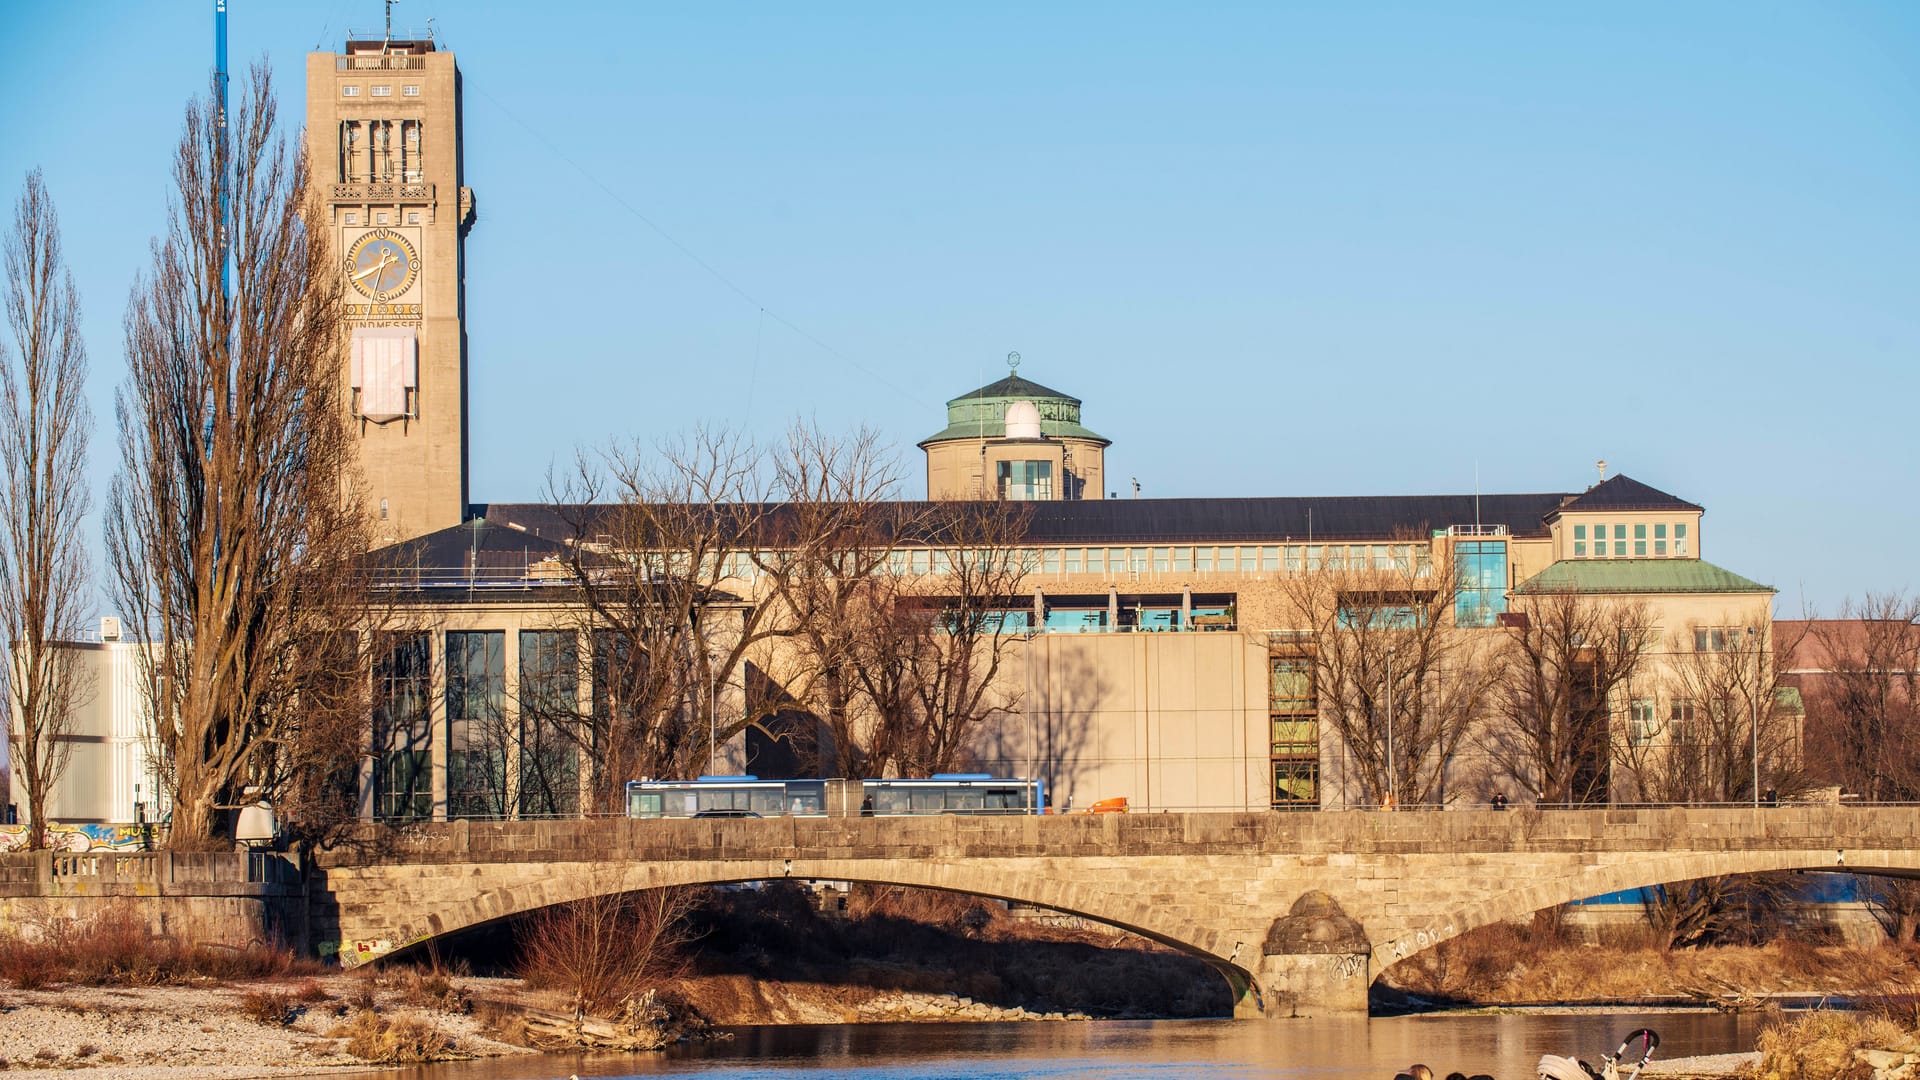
column 1507, row 1046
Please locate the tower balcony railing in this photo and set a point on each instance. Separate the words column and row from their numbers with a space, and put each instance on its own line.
column 384, row 191
column 378, row 62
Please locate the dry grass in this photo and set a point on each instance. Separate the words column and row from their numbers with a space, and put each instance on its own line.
column 399, row 1040
column 430, row 988
column 1820, row 1046
column 1506, row 964
column 507, row 1024
column 116, row 948
column 276, row 1007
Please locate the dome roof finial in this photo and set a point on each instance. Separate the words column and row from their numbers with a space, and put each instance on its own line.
column 1013, row 363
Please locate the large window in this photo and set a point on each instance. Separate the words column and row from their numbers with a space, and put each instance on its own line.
column 476, row 723
column 549, row 707
column 1295, row 750
column 1482, row 569
column 1025, row 481
column 403, row 728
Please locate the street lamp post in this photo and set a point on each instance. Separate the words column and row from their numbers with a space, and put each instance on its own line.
column 1390, row 784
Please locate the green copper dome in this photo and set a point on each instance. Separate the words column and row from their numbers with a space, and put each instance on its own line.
column 982, row 414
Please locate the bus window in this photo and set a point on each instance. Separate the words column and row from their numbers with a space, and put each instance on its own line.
column 966, row 801
column 722, row 800
column 928, row 802
column 806, row 802
column 891, row 801
column 767, row 802
column 644, row 804
column 1005, row 799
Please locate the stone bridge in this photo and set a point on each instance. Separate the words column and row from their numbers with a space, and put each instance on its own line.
column 1298, row 911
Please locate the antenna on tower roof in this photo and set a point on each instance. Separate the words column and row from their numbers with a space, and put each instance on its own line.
column 1602, row 466
column 388, row 40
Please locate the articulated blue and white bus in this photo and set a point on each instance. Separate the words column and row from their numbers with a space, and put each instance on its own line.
column 750, row 796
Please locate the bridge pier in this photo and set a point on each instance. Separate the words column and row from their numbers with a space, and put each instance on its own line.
column 1308, row 984
column 1316, row 961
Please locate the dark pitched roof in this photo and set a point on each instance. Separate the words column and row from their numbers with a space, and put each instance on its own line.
column 1296, row 518
column 1623, row 492
column 1013, row 386
column 479, row 555
column 478, row 545
column 1147, row 521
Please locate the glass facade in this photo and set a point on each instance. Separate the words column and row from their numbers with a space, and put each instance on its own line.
column 402, row 728
column 1482, row 569
column 476, row 723
column 1295, row 750
column 1024, row 481
column 549, row 707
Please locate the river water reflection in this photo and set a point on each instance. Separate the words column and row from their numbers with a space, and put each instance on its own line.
column 1506, row 1046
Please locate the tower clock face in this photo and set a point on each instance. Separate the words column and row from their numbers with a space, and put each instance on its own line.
column 382, row 264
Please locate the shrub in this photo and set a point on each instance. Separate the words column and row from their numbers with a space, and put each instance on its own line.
column 431, row 989
column 311, row 992
column 1820, row 1046
column 604, row 949
column 270, row 1007
column 401, row 1040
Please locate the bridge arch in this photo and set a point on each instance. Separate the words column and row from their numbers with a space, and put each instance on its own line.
column 566, row 883
column 1621, row 874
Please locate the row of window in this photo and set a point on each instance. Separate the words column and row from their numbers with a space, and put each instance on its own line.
column 380, row 217
column 478, row 732
column 381, row 91
column 1639, row 546
column 1210, row 559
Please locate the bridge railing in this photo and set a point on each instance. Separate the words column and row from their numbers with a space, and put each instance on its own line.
column 1464, row 804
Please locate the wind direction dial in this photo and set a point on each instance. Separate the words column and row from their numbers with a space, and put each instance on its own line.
column 382, row 264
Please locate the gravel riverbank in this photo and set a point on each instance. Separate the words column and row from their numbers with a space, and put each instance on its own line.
column 195, row 1033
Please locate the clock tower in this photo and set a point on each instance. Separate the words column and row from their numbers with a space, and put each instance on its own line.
column 383, row 146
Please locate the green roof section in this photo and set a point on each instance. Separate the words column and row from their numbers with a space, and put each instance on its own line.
column 1638, row 576
column 982, row 413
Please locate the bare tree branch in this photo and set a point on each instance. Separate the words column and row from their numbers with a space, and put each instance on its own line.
column 44, row 426
column 234, row 528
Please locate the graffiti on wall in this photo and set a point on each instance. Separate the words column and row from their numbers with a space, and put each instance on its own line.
column 354, row 953
column 81, row 838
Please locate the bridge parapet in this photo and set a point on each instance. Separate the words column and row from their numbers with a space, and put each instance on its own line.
column 1133, row 835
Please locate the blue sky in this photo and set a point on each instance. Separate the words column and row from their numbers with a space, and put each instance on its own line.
column 1278, row 249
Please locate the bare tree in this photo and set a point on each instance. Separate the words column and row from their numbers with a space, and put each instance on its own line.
column 234, row 530
column 1564, row 666
column 828, row 561
column 1742, row 909
column 933, row 646
column 610, row 945
column 1866, row 703
column 1863, row 720
column 1396, row 679
column 43, row 451
column 1721, row 709
column 665, row 637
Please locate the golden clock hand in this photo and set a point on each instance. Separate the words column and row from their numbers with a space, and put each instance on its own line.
column 377, row 268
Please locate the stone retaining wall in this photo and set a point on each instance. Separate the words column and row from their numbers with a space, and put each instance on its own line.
column 233, row 898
